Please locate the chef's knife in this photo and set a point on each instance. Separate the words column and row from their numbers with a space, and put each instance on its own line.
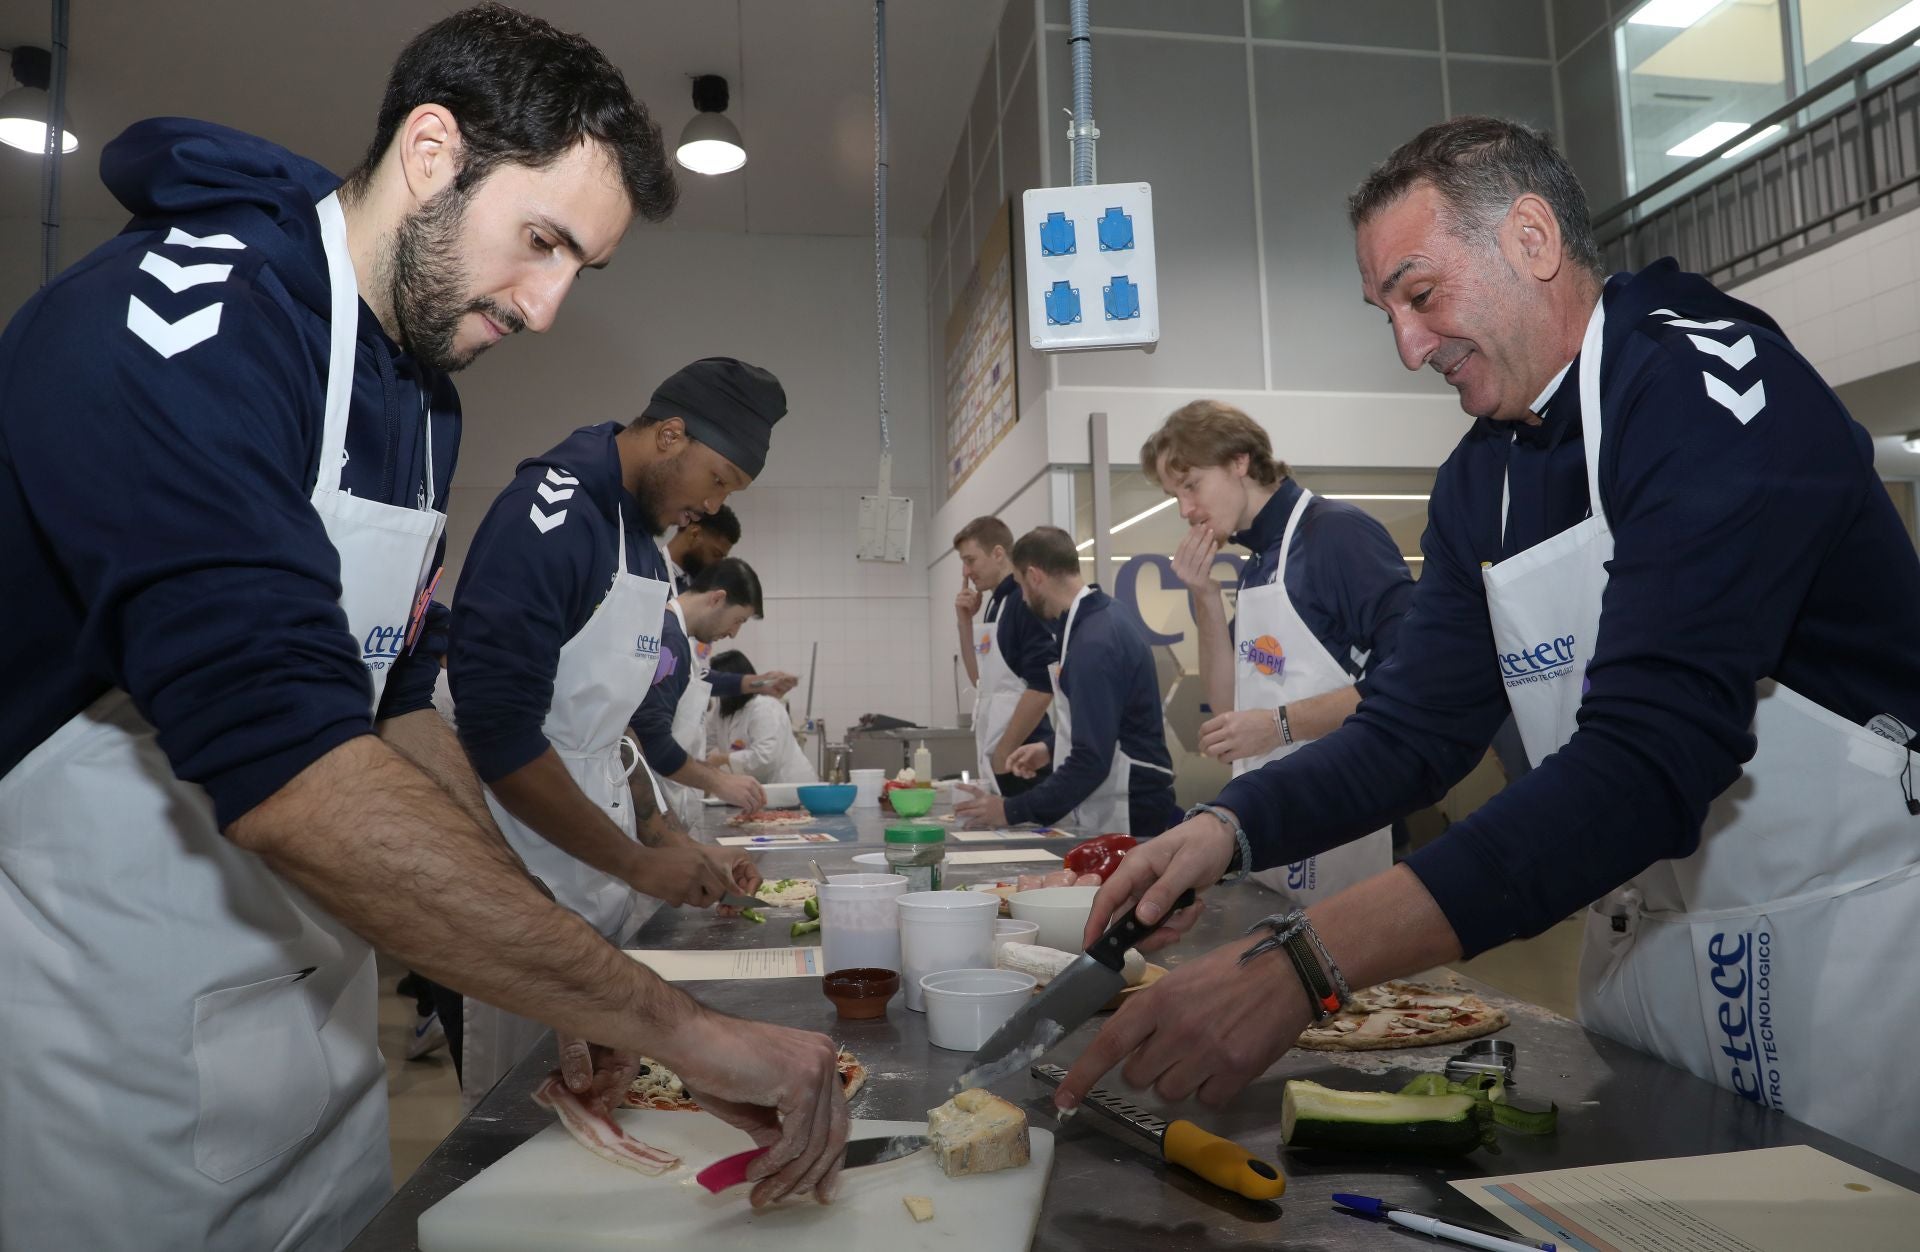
column 1079, row 992
column 738, row 901
column 1221, row 1162
column 732, row 1171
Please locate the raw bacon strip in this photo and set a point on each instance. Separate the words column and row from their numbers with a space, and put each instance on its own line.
column 598, row 1133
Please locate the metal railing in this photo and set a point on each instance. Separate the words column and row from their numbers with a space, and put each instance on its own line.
column 1833, row 173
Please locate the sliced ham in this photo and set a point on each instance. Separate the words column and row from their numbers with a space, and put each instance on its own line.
column 598, row 1133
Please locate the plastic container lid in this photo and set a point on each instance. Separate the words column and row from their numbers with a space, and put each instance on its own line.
column 916, row 834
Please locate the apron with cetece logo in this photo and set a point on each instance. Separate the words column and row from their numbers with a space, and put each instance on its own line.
column 1789, row 932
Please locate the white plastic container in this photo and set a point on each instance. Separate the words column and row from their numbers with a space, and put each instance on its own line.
column 1061, row 912
column 860, row 921
column 874, row 862
column 965, row 1006
column 941, row 930
column 1008, row 930
column 782, row 795
column 866, row 787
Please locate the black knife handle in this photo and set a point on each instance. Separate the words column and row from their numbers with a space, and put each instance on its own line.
column 1110, row 949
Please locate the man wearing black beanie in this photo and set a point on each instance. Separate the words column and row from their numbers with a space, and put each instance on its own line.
column 556, row 637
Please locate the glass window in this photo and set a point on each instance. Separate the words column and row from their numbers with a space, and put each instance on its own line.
column 1695, row 73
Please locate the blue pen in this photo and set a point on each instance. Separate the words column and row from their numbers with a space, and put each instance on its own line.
column 1439, row 1228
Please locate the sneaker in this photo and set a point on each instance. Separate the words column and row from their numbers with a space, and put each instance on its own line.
column 427, row 1035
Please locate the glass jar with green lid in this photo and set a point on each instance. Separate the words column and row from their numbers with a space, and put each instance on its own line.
column 919, row 853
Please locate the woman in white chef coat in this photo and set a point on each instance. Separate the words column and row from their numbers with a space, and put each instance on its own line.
column 753, row 734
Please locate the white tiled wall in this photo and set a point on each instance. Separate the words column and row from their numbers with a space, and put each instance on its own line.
column 870, row 620
column 1853, row 309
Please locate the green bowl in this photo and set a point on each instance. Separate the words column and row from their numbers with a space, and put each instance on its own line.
column 911, row 801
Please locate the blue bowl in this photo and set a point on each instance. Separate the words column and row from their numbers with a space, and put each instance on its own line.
column 824, row 799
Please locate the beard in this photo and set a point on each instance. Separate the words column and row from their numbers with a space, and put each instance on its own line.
column 427, row 284
column 650, row 490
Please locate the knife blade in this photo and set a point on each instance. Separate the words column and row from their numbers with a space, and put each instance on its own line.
column 738, row 901
column 1076, row 994
column 1221, row 1162
column 731, row 1171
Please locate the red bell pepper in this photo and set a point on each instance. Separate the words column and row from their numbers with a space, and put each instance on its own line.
column 1100, row 856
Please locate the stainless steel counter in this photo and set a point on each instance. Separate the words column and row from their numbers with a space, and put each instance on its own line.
column 1615, row 1105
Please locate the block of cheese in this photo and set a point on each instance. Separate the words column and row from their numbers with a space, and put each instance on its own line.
column 1046, row 964
column 977, row 1132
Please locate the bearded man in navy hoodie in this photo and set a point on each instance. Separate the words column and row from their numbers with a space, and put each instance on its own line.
column 226, row 438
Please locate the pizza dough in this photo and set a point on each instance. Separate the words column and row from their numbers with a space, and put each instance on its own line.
column 1404, row 1015
column 788, row 891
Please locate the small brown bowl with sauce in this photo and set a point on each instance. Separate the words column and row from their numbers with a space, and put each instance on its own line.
column 860, row 994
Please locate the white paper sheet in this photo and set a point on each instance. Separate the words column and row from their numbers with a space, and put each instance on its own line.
column 1001, row 836
column 679, row 966
column 1793, row 1199
column 754, row 843
column 998, row 856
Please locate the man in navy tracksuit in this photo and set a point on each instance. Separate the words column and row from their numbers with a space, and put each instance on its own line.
column 225, row 442
column 1114, row 775
column 1663, row 547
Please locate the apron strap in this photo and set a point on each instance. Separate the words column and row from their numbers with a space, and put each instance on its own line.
column 1590, row 416
column 1286, row 540
column 344, row 331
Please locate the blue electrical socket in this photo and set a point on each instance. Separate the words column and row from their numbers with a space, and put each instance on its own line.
column 1123, row 299
column 1063, row 305
column 1116, row 231
column 1056, row 235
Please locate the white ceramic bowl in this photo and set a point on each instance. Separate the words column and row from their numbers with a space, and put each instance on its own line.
column 965, row 1006
column 1061, row 911
column 782, row 795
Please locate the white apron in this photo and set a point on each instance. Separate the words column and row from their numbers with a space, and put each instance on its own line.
column 1790, row 930
column 996, row 697
column 1105, row 811
column 1280, row 661
column 603, row 674
column 187, row 1049
column 690, row 721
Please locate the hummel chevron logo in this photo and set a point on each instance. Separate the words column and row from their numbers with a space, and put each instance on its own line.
column 172, row 338
column 1744, row 406
column 182, row 239
column 551, row 496
column 558, row 479
column 1738, row 355
column 545, row 521
column 180, row 277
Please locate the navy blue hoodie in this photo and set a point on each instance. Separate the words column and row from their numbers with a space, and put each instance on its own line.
column 1110, row 681
column 527, row 586
column 1747, row 544
column 159, row 441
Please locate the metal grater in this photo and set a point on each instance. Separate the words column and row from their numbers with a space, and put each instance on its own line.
column 1114, row 1111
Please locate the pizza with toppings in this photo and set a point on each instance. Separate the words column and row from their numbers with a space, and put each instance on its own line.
column 1404, row 1015
column 657, row 1087
column 788, row 891
column 771, row 817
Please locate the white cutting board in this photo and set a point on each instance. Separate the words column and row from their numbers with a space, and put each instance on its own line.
column 552, row 1195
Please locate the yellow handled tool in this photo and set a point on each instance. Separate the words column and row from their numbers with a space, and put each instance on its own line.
column 1221, row 1162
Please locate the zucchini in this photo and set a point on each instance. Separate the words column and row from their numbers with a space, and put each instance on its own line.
column 1490, row 1094
column 1313, row 1116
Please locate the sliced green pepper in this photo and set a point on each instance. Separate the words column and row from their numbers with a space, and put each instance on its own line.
column 753, row 915
column 801, row 929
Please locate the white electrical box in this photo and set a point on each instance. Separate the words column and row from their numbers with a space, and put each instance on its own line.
column 886, row 528
column 1090, row 267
